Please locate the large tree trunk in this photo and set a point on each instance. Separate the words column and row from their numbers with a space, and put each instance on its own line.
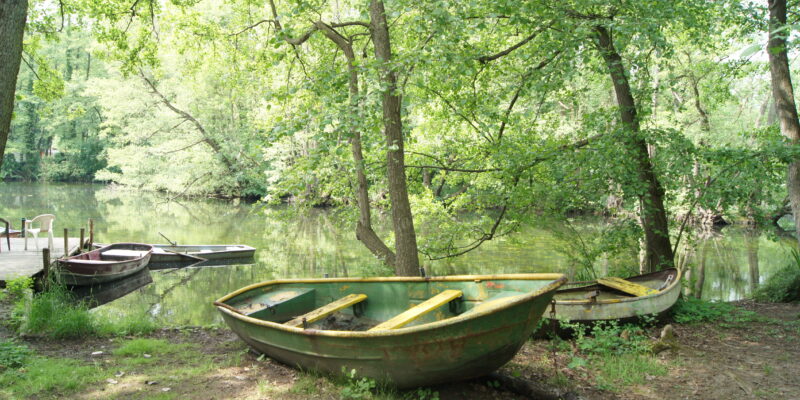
column 406, row 257
column 658, row 250
column 12, row 26
column 364, row 231
column 783, row 92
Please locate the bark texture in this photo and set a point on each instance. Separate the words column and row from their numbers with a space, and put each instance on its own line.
column 658, row 250
column 406, row 257
column 13, row 14
column 783, row 93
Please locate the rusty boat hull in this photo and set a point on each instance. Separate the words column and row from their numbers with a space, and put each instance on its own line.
column 462, row 339
column 109, row 263
column 573, row 304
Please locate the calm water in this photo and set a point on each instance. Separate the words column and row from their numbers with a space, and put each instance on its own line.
column 728, row 265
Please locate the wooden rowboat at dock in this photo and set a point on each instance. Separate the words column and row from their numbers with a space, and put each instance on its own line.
column 104, row 264
column 408, row 331
column 168, row 253
column 616, row 298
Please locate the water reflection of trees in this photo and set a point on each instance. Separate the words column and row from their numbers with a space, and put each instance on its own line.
column 729, row 265
column 312, row 242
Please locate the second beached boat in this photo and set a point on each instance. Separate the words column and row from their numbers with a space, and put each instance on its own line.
column 616, row 298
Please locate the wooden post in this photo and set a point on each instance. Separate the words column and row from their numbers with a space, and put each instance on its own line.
column 46, row 265
column 66, row 242
column 23, row 228
column 91, row 234
column 80, row 244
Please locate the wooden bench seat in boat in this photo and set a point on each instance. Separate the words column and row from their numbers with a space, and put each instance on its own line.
column 124, row 253
column 95, row 261
column 326, row 310
column 627, row 286
column 419, row 310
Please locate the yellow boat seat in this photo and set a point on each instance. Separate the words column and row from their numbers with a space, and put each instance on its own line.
column 627, row 286
column 419, row 310
column 328, row 309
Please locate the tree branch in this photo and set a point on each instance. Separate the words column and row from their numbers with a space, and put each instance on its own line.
column 485, row 59
column 247, row 28
column 525, row 78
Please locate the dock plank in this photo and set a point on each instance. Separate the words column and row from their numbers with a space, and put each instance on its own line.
column 18, row 262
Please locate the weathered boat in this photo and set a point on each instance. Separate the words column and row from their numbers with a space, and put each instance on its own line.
column 171, row 253
column 168, row 253
column 615, row 298
column 105, row 264
column 409, row 331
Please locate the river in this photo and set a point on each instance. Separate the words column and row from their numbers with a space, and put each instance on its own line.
column 312, row 243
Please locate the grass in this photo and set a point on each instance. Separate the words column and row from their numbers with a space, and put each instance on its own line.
column 49, row 378
column 140, row 347
column 627, row 370
column 55, row 314
column 168, row 363
column 305, row 384
column 616, row 355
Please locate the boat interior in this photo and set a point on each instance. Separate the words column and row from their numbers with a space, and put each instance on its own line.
column 617, row 288
column 114, row 253
column 377, row 305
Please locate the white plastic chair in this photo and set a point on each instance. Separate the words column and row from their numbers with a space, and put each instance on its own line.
column 45, row 225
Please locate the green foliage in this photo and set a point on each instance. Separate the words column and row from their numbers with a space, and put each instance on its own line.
column 783, row 285
column 422, row 394
column 136, row 325
column 356, row 388
column 607, row 338
column 585, row 249
column 18, row 287
column 691, row 310
column 54, row 313
column 13, row 355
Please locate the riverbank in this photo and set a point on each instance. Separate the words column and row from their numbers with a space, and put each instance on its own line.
column 750, row 352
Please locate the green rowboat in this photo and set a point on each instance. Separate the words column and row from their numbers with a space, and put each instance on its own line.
column 615, row 298
column 409, row 331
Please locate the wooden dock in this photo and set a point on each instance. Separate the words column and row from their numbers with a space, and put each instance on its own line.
column 18, row 262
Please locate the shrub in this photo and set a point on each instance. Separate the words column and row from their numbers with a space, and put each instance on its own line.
column 784, row 285
column 610, row 338
column 690, row 310
column 55, row 314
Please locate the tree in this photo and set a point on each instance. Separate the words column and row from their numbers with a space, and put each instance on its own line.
column 658, row 250
column 13, row 14
column 404, row 259
column 783, row 95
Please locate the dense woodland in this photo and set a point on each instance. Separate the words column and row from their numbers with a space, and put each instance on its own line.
column 460, row 119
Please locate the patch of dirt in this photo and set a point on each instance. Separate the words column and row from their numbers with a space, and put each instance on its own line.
column 712, row 361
